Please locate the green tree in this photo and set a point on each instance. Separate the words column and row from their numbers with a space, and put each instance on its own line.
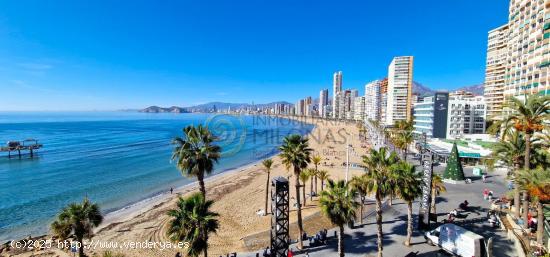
column 316, row 160
column 323, row 175
column 304, row 176
column 196, row 153
column 529, row 117
column 537, row 183
column 378, row 165
column 410, row 188
column 339, row 205
column 191, row 222
column 510, row 150
column 267, row 163
column 295, row 153
column 359, row 184
column 454, row 167
column 438, row 187
column 78, row 220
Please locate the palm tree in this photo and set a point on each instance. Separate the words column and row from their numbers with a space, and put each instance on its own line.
column 316, row 160
column 295, row 153
column 529, row 117
column 267, row 163
column 410, row 188
column 438, row 187
column 312, row 174
column 378, row 165
column 359, row 184
column 323, row 175
column 78, row 220
column 196, row 153
column 304, row 176
column 339, row 205
column 511, row 150
column 537, row 183
column 192, row 221
column 404, row 139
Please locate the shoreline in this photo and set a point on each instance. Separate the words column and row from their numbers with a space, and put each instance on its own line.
column 134, row 209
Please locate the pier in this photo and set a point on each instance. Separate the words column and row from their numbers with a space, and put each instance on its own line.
column 29, row 145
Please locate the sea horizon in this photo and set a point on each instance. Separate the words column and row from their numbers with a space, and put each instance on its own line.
column 115, row 158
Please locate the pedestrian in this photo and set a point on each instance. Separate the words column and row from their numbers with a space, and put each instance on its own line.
column 510, row 185
column 483, row 178
column 307, row 253
column 290, row 253
column 485, row 193
column 171, row 190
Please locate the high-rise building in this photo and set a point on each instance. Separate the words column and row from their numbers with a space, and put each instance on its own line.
column 430, row 115
column 359, row 108
column 336, row 88
column 528, row 60
column 398, row 106
column 466, row 115
column 323, row 102
column 372, row 100
column 495, row 71
column 383, row 100
column 308, row 106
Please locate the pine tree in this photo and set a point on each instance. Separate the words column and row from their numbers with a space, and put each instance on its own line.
column 454, row 167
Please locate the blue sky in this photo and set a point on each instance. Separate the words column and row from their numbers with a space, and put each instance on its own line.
column 106, row 55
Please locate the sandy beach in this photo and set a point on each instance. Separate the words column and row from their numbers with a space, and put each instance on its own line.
column 238, row 194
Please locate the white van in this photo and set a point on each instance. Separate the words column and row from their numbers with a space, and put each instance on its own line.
column 457, row 240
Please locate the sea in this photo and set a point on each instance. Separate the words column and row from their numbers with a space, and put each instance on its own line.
column 116, row 159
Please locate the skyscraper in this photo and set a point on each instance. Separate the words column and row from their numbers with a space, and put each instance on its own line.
column 336, row 88
column 400, row 74
column 323, row 102
column 528, row 39
column 495, row 71
column 383, row 100
column 372, row 100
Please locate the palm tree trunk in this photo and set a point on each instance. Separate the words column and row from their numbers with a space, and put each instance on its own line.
column 299, row 208
column 311, row 190
column 341, row 241
column 517, row 201
column 304, row 193
column 80, row 247
column 322, row 185
column 202, row 188
column 433, row 202
column 525, row 209
column 205, row 251
column 540, row 222
column 379, row 223
column 526, row 166
column 361, row 210
column 266, row 193
column 409, row 223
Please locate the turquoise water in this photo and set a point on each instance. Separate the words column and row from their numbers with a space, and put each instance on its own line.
column 114, row 158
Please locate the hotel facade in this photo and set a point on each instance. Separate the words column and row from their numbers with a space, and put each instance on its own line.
column 400, row 75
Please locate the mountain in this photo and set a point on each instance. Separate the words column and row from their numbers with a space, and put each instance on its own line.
column 215, row 106
column 156, row 109
column 422, row 90
column 476, row 89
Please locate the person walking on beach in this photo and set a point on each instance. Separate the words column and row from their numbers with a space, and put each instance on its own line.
column 171, row 190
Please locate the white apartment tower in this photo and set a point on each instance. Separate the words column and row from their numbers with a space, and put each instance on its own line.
column 323, row 103
column 466, row 115
column 359, row 108
column 336, row 88
column 495, row 71
column 372, row 100
column 398, row 106
column 528, row 56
